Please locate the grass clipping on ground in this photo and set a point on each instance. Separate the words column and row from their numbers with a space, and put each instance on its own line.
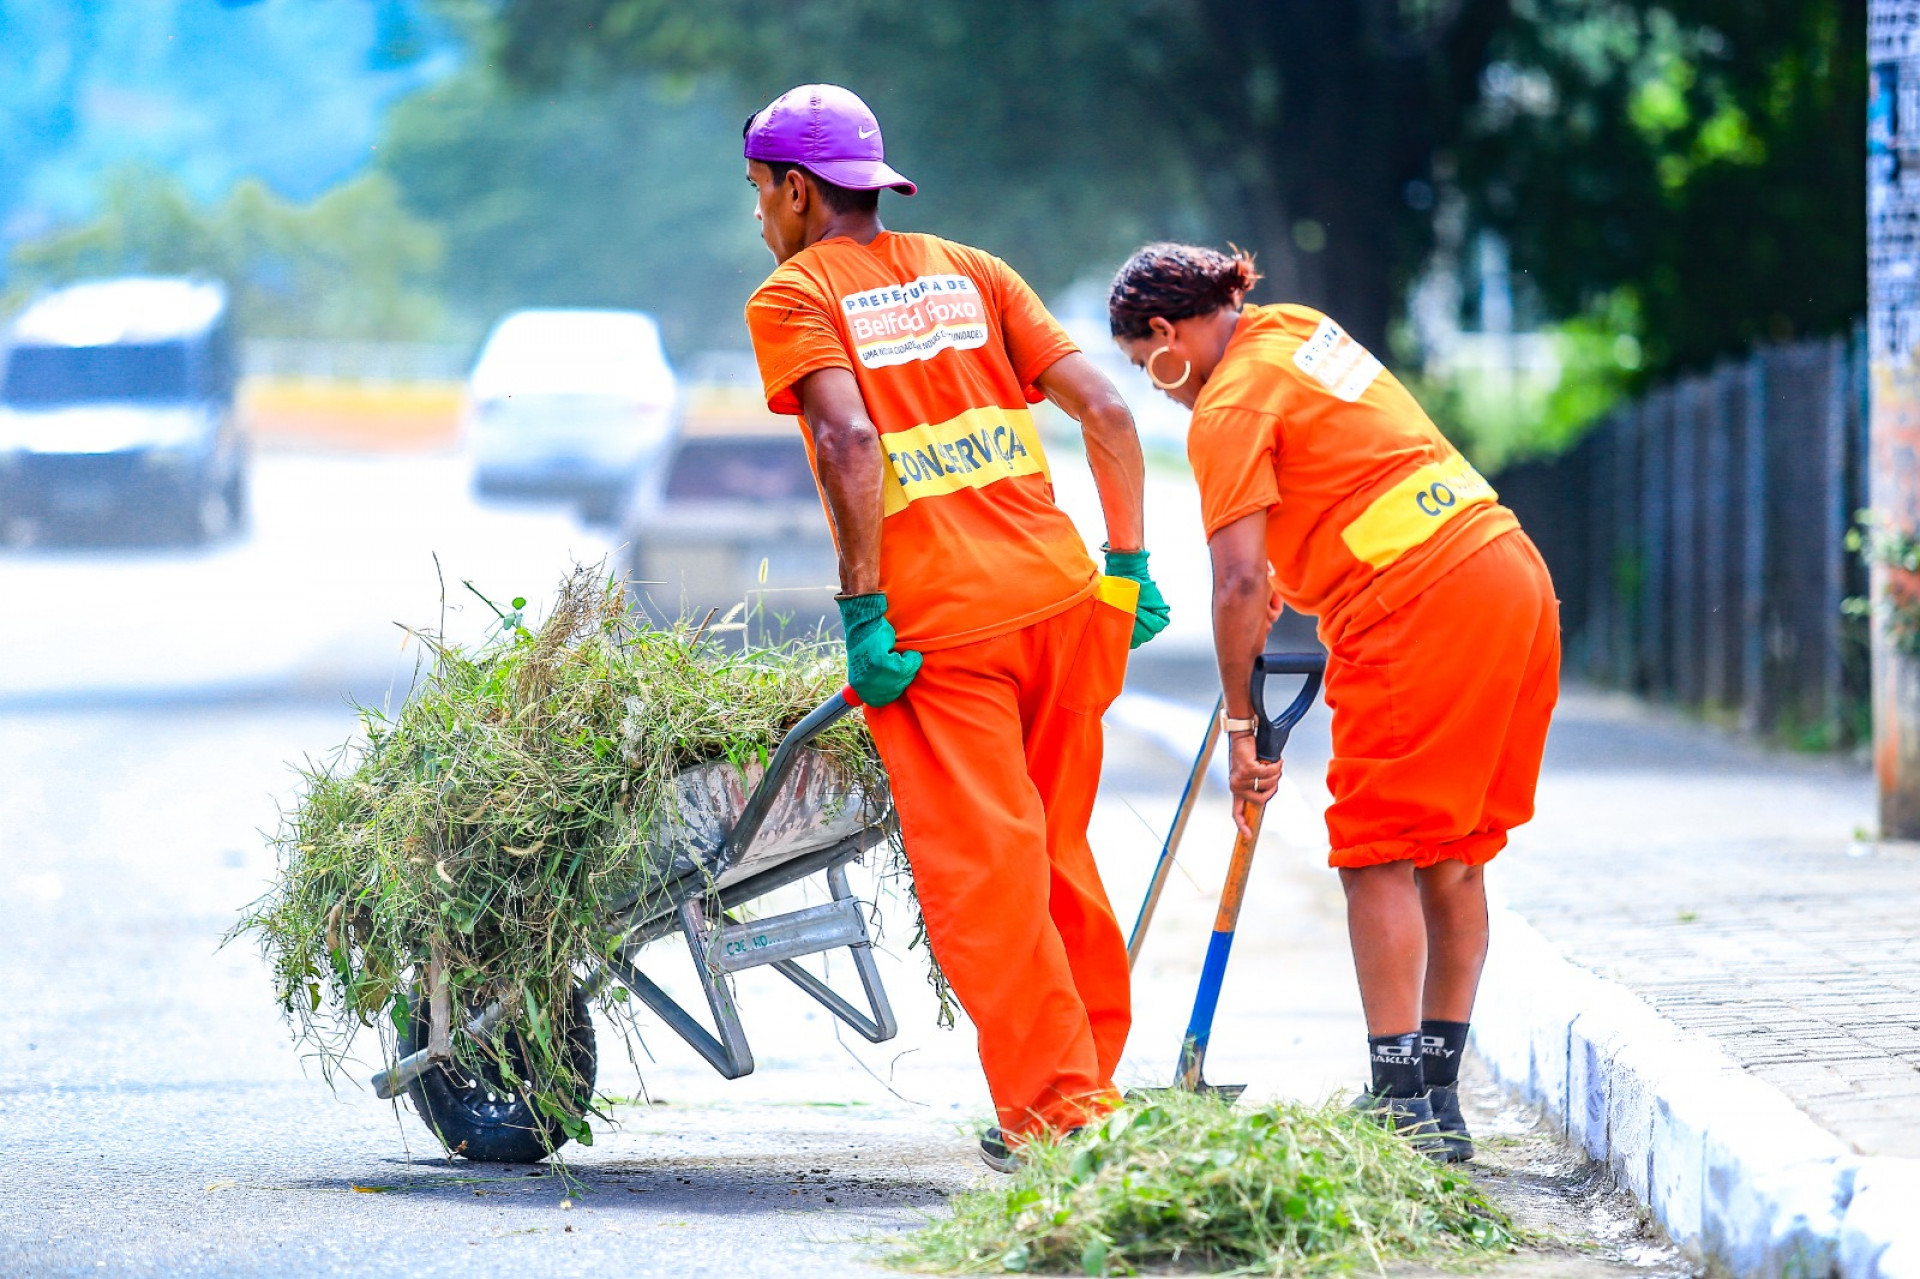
column 1181, row 1182
column 498, row 818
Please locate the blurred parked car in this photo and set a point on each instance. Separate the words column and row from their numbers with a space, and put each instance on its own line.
column 566, row 404
column 116, row 412
column 729, row 514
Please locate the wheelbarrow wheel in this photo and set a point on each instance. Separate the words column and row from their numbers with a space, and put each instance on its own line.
column 477, row 1116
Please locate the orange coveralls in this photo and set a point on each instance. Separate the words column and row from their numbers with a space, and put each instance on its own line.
column 994, row 750
column 1440, row 621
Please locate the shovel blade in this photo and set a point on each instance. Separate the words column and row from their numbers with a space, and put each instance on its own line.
column 1229, row 1093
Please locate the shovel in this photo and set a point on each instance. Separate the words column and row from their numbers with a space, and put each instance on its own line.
column 1270, row 739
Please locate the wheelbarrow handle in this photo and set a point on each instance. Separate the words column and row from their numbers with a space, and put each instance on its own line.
column 779, row 768
column 1270, row 733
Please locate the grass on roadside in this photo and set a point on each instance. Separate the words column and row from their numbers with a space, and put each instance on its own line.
column 1180, row 1182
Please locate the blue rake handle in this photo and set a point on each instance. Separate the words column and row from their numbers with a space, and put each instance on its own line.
column 1270, row 739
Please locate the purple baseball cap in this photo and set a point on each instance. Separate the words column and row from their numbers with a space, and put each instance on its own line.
column 829, row 131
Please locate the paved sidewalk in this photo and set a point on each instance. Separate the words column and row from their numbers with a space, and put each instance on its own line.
column 1705, row 973
column 1736, row 893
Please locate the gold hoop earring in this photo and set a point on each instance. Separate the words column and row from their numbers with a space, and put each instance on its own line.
column 1155, row 377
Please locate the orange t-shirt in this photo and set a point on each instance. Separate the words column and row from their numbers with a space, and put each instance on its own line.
column 1367, row 503
column 946, row 343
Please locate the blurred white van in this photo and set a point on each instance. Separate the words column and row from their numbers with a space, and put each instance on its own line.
column 566, row 404
column 116, row 413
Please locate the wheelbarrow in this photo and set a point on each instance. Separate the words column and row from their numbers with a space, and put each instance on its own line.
column 734, row 839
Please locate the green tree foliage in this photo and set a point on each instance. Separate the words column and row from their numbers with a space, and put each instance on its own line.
column 629, row 195
column 1060, row 133
column 350, row 264
column 1699, row 161
column 1685, row 173
column 1694, row 163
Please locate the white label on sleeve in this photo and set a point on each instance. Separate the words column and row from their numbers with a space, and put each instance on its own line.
column 1337, row 362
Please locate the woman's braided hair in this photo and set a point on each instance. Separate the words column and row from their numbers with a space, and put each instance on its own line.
column 1176, row 282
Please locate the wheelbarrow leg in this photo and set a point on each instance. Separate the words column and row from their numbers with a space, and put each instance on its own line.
column 717, row 1054
column 728, row 1053
column 719, row 989
column 725, row 945
column 880, row 1026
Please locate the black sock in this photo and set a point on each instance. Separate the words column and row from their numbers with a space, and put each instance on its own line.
column 1441, row 1045
column 1396, row 1065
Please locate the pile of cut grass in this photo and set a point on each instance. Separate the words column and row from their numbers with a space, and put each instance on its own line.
column 1180, row 1182
column 512, row 802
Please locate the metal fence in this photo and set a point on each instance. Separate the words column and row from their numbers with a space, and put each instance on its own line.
column 1697, row 540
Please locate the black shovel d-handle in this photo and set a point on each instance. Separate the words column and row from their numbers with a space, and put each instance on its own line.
column 1270, row 734
column 1270, row 738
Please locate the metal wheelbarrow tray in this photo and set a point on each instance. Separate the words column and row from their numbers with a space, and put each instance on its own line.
column 735, row 838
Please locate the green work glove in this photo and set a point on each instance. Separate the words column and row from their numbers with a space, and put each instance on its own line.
column 1153, row 614
column 878, row 671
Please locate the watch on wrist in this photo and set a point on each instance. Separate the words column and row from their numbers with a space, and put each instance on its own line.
column 1233, row 725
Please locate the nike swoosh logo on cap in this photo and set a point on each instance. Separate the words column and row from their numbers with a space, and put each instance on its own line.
column 867, row 133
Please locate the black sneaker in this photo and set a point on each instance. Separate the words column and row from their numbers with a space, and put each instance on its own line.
column 1411, row 1117
column 997, row 1154
column 1451, row 1123
column 1001, row 1157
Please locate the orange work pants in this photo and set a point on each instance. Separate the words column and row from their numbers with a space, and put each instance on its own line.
column 994, row 757
column 1440, row 714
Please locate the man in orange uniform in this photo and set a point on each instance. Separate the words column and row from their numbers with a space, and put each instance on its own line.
column 1319, row 474
column 981, row 638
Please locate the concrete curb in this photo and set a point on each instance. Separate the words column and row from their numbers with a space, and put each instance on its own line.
column 1737, row 1174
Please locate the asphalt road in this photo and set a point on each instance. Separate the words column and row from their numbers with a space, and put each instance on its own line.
column 156, row 1119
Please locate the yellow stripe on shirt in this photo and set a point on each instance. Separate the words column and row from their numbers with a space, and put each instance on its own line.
column 971, row 451
column 1414, row 510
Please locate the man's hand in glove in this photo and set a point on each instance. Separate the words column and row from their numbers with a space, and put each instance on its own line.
column 878, row 671
column 1152, row 615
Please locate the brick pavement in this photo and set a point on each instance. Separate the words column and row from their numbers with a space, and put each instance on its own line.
column 1731, row 890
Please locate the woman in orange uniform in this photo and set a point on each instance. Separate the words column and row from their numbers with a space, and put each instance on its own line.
column 1323, row 483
